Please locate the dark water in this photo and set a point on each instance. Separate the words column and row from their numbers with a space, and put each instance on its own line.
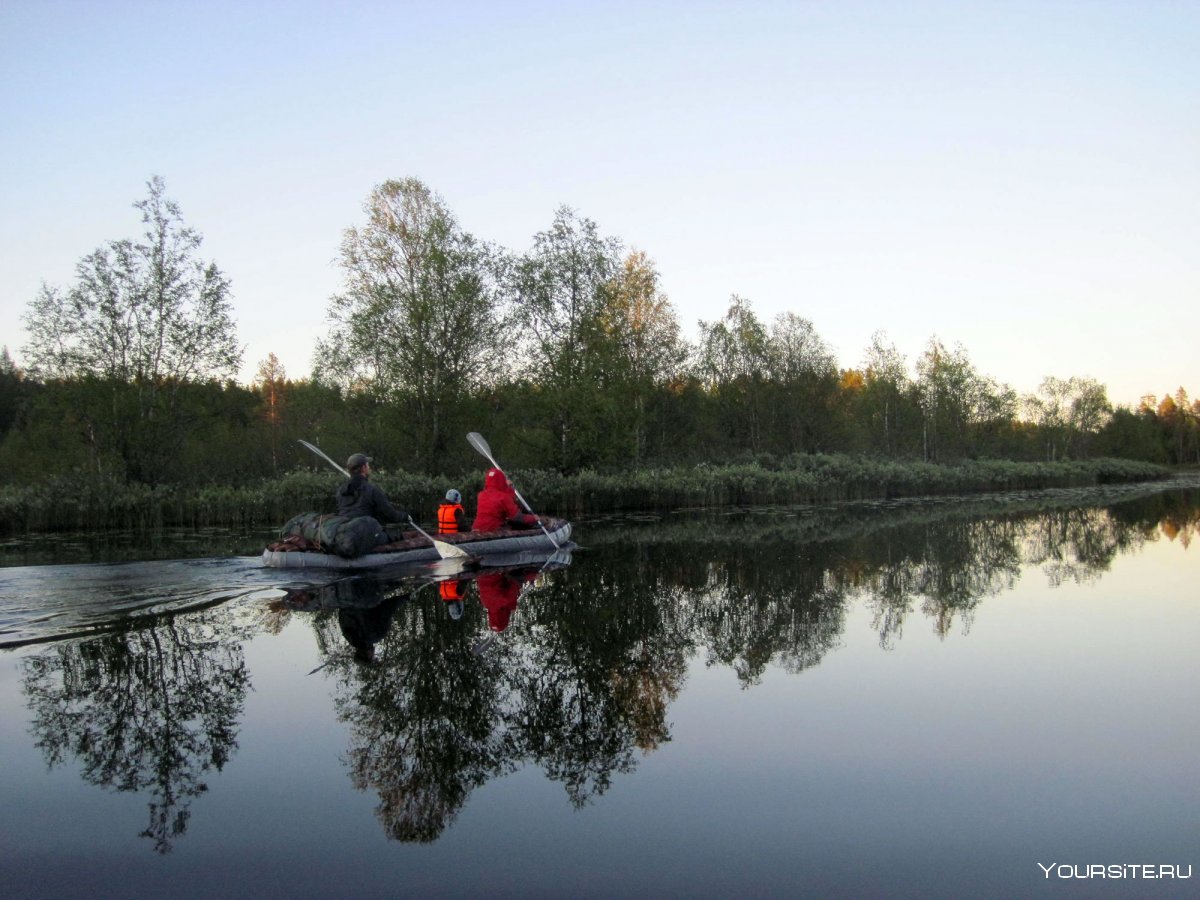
column 899, row 699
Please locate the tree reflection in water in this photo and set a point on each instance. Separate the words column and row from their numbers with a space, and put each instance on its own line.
column 946, row 566
column 603, row 655
column 751, row 614
column 582, row 681
column 588, row 658
column 152, row 710
column 421, row 707
column 582, row 686
column 423, row 723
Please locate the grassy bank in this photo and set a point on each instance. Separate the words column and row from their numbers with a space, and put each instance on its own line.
column 73, row 503
column 817, row 479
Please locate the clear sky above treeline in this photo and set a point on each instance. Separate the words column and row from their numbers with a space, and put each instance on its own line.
column 1021, row 178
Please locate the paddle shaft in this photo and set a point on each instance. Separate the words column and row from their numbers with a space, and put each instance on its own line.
column 321, row 453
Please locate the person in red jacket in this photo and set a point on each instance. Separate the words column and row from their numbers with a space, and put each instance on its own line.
column 496, row 506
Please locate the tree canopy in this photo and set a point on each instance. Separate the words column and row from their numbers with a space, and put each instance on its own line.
column 568, row 353
column 143, row 318
column 419, row 321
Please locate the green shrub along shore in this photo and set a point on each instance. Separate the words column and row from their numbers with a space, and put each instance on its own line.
column 73, row 503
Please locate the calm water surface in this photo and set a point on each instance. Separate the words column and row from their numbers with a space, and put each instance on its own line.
column 900, row 699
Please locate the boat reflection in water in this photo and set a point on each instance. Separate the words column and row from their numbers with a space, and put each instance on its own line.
column 364, row 607
column 428, row 717
column 365, row 603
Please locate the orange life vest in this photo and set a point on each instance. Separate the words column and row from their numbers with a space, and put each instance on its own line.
column 447, row 517
column 452, row 590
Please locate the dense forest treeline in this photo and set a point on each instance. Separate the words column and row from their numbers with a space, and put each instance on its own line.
column 568, row 357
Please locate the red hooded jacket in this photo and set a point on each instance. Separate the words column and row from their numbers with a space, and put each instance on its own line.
column 496, row 506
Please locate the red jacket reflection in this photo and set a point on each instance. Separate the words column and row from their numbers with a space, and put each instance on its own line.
column 499, row 592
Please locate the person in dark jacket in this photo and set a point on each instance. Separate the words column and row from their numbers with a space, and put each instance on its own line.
column 358, row 497
column 496, row 506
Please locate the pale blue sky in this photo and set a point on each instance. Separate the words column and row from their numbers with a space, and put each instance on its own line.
column 1022, row 178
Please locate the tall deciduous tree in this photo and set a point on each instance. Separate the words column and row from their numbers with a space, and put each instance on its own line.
column 271, row 382
column 143, row 317
column 562, row 286
column 886, row 392
column 958, row 404
column 1048, row 409
column 804, row 378
column 733, row 361
column 1090, row 411
column 419, row 318
column 1068, row 413
column 642, row 343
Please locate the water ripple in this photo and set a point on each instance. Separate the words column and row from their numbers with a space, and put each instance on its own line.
column 47, row 603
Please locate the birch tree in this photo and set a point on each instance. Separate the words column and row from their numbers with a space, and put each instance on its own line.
column 642, row 343
column 418, row 321
column 142, row 318
column 561, row 289
column 733, row 362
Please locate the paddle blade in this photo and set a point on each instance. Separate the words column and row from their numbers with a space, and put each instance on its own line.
column 475, row 439
column 445, row 551
column 449, row 551
column 483, row 644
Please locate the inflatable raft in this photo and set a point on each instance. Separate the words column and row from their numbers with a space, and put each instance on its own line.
column 296, row 552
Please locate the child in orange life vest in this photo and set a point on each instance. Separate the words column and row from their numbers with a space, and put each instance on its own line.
column 451, row 517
